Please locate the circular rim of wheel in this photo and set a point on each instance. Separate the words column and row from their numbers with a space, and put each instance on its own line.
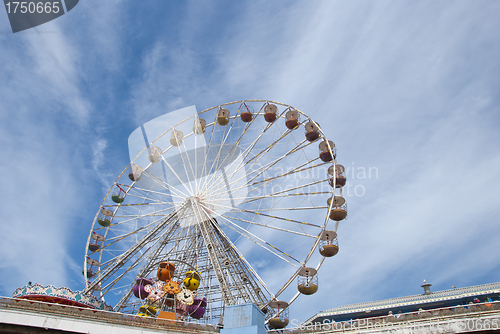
column 213, row 124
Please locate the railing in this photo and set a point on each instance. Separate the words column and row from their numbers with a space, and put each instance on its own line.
column 104, row 316
column 458, row 319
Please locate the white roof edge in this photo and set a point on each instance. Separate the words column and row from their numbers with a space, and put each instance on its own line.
column 384, row 303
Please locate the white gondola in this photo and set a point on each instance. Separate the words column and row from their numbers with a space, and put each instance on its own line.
column 339, row 208
column 280, row 318
column 328, row 243
column 223, row 116
column 135, row 173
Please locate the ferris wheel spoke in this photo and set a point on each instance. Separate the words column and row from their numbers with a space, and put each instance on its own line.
column 298, row 169
column 157, row 213
column 294, row 188
column 249, row 149
column 279, row 193
column 118, row 238
column 185, row 162
column 148, row 199
column 217, row 158
column 263, row 186
column 287, row 209
column 266, row 167
column 269, row 147
column 107, row 288
column 147, row 205
column 148, row 195
column 203, row 171
column 244, row 163
column 132, row 251
column 167, row 186
column 106, row 264
column 136, row 204
column 269, row 165
column 236, row 143
column 193, row 170
column 153, row 242
column 242, row 258
column 171, row 235
column 264, row 244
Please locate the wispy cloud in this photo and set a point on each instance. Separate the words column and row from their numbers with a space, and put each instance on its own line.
column 44, row 117
column 398, row 88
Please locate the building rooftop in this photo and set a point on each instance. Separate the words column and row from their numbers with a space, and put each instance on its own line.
column 411, row 303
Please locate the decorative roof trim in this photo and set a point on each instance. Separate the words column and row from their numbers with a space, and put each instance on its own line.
column 415, row 299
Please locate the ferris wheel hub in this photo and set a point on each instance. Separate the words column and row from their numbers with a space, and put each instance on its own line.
column 194, row 211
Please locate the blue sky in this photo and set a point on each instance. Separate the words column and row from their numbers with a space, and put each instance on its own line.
column 408, row 89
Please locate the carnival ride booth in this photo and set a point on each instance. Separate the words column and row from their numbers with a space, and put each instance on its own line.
column 176, row 138
column 154, row 154
column 307, row 281
column 96, row 242
column 223, row 116
column 339, row 208
column 312, row 131
column 326, row 150
column 199, row 126
column 328, row 244
column 270, row 113
column 118, row 195
column 246, row 114
column 135, row 172
column 105, row 217
column 292, row 119
column 281, row 318
column 337, row 178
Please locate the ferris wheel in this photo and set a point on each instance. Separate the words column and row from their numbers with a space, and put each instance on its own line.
column 222, row 207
